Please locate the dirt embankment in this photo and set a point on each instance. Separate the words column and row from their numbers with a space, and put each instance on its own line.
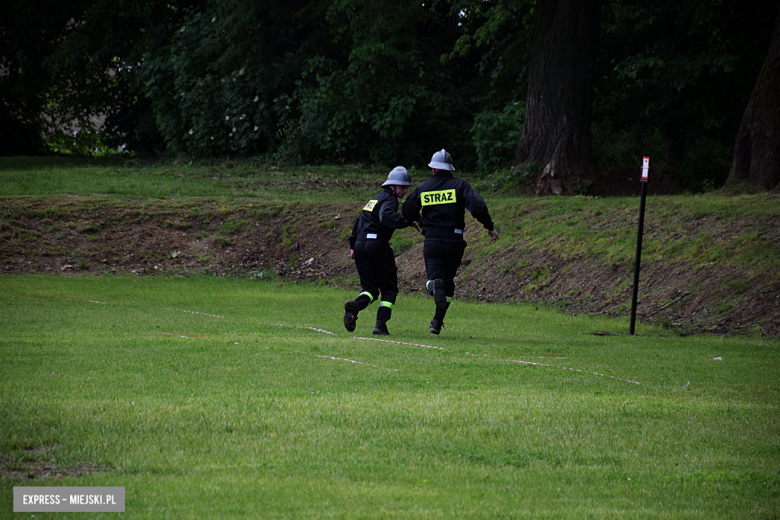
column 294, row 242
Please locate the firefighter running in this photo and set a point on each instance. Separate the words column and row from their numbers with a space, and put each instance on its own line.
column 374, row 258
column 439, row 205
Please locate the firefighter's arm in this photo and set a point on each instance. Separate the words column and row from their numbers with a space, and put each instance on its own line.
column 390, row 218
column 353, row 235
column 479, row 210
column 411, row 207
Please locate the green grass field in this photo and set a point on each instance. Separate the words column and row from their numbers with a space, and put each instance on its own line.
column 242, row 411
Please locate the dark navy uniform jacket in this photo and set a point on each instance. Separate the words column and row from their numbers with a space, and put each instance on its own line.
column 439, row 205
column 378, row 220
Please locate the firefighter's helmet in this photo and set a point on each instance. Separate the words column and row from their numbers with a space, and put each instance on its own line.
column 441, row 161
column 398, row 177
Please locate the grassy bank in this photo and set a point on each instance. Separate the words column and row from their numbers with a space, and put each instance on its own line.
column 134, row 179
column 711, row 263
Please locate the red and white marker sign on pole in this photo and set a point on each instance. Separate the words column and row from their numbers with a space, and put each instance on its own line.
column 645, row 167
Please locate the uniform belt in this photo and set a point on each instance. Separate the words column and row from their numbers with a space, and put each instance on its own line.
column 371, row 236
column 438, row 231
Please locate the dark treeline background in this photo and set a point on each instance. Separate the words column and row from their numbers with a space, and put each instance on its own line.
column 375, row 81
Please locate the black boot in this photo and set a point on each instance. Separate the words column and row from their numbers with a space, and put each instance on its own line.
column 438, row 318
column 352, row 308
column 383, row 315
column 436, row 326
column 381, row 329
column 350, row 315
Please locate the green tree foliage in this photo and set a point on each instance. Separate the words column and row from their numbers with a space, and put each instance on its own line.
column 222, row 83
column 495, row 135
column 31, row 34
column 496, row 43
column 69, row 63
column 378, row 81
column 375, row 89
column 673, row 82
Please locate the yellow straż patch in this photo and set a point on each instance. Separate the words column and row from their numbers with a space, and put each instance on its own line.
column 430, row 198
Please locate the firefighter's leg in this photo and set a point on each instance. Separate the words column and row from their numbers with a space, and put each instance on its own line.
column 434, row 253
column 383, row 315
column 442, row 263
column 388, row 284
column 369, row 284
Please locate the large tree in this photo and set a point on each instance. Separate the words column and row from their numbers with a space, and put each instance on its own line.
column 757, row 148
column 557, row 126
column 68, row 65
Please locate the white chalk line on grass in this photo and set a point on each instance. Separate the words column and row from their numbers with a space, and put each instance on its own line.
column 172, row 334
column 68, row 300
column 332, row 334
column 399, row 342
column 320, row 330
column 569, row 368
column 359, row 337
column 309, row 328
column 104, row 303
column 201, row 313
column 180, row 334
column 351, row 361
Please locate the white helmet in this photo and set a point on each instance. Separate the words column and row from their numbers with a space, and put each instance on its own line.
column 398, row 177
column 441, row 161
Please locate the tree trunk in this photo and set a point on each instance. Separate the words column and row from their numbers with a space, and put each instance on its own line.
column 757, row 148
column 556, row 130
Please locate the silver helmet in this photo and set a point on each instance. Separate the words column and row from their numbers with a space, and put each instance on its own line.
column 441, row 161
column 398, row 177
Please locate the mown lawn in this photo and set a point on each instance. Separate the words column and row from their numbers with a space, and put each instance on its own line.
column 209, row 398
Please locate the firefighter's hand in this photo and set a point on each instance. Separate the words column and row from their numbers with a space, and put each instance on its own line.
column 352, row 253
column 416, row 226
column 493, row 235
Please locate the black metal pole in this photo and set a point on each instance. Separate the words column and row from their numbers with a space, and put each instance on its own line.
column 638, row 257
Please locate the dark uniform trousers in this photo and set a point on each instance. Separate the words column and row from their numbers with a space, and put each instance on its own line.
column 375, row 264
column 442, row 260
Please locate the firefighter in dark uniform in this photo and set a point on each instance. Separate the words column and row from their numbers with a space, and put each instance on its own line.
column 374, row 258
column 439, row 205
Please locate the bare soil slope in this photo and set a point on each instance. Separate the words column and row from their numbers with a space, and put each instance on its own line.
column 294, row 242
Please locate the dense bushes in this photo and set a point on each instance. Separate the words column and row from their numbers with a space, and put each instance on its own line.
column 374, row 81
